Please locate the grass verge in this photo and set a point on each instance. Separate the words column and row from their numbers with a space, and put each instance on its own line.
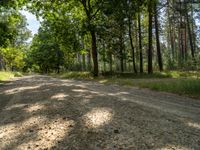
column 8, row 75
column 73, row 75
column 178, row 82
column 181, row 86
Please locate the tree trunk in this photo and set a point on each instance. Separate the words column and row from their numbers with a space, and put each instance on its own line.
column 89, row 61
column 104, row 57
column 110, row 62
column 140, row 43
column 150, row 68
column 121, row 53
column 1, row 63
column 94, row 54
column 132, row 47
column 193, row 34
column 83, row 60
column 159, row 55
column 121, row 59
column 190, row 35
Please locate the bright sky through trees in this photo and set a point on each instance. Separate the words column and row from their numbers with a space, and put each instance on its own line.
column 33, row 23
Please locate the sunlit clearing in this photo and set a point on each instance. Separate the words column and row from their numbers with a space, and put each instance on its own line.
column 98, row 117
column 16, row 90
column 35, row 107
column 194, row 125
column 59, row 96
column 170, row 147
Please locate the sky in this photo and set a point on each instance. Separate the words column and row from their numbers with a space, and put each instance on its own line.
column 33, row 23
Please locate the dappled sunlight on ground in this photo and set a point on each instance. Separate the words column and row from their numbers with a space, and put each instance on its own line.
column 118, row 93
column 103, row 81
column 35, row 107
column 49, row 133
column 174, row 147
column 46, row 113
column 98, row 117
column 80, row 90
column 15, row 133
column 37, row 131
column 15, row 106
column 59, row 96
column 21, row 89
column 194, row 125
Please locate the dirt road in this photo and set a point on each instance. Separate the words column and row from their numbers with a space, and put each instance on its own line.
column 40, row 112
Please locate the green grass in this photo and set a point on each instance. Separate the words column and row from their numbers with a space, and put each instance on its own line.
column 179, row 82
column 165, row 74
column 74, row 75
column 190, row 87
column 182, row 86
column 8, row 75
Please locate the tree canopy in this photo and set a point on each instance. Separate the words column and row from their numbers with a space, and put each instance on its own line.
column 106, row 35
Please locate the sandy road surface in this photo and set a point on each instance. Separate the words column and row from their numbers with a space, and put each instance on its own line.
column 40, row 112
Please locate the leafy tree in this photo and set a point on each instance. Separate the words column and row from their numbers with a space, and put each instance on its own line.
column 14, row 34
column 13, row 57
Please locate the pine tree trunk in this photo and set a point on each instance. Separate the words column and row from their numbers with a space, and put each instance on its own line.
column 83, row 60
column 150, row 67
column 121, row 53
column 110, row 62
column 190, row 35
column 140, row 44
column 159, row 55
column 132, row 47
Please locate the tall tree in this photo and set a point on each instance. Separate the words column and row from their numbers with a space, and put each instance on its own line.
column 91, row 9
column 159, row 55
column 140, row 43
column 150, row 53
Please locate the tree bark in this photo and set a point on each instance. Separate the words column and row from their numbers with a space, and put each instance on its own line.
column 94, row 54
column 159, row 55
column 83, row 60
column 132, row 47
column 121, row 58
column 110, row 62
column 91, row 28
column 150, row 67
column 89, row 60
column 140, row 43
column 190, row 35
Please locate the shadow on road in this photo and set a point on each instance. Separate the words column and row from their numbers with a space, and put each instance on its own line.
column 39, row 112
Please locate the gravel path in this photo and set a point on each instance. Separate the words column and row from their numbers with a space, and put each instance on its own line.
column 40, row 112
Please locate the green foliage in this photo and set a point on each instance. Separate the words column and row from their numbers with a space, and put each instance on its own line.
column 45, row 52
column 13, row 28
column 13, row 37
column 11, row 3
column 7, row 75
column 13, row 57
